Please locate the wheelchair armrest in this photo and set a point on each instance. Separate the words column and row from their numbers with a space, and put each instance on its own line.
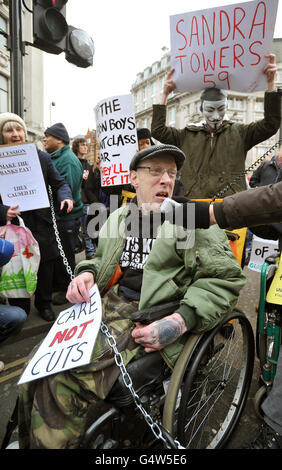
column 272, row 259
column 148, row 315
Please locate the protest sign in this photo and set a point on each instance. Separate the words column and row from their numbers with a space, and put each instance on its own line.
column 223, row 47
column 21, row 178
column 70, row 342
column 261, row 248
column 117, row 138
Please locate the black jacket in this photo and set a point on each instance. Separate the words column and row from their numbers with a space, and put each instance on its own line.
column 86, row 166
column 267, row 173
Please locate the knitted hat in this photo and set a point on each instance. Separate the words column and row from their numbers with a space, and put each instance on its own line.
column 59, row 131
column 157, row 151
column 144, row 133
column 10, row 117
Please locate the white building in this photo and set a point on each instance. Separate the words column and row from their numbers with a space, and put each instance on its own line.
column 184, row 108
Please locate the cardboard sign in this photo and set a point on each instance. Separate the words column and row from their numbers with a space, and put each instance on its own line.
column 117, row 138
column 274, row 294
column 223, row 47
column 261, row 248
column 21, row 179
column 70, row 341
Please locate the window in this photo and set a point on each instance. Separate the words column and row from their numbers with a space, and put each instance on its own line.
column 144, row 98
column 155, row 68
column 3, row 94
column 3, row 27
column 162, row 79
column 137, row 101
column 153, row 93
column 163, row 62
column 230, row 103
column 171, row 116
column 238, row 103
column 146, row 73
column 259, row 106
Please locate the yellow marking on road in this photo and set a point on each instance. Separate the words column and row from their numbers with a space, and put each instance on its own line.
column 4, row 377
column 11, row 375
column 15, row 363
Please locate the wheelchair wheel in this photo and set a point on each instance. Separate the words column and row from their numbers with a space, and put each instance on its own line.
column 213, row 380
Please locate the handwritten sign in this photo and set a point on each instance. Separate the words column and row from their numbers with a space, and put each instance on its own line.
column 70, row 341
column 261, row 248
column 223, row 47
column 21, row 179
column 117, row 138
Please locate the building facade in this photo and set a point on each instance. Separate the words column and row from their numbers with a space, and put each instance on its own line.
column 184, row 108
column 33, row 85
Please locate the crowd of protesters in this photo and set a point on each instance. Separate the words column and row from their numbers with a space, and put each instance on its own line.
column 179, row 163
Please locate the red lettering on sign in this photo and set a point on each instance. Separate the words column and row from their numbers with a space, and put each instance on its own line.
column 84, row 325
column 197, row 60
column 181, row 64
column 254, row 18
column 179, row 32
column 71, row 333
column 254, row 53
column 204, row 21
column 236, row 57
column 59, row 336
column 221, row 58
column 194, row 20
column 208, row 63
column 235, row 26
column 223, row 12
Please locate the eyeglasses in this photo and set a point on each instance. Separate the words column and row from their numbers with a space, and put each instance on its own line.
column 158, row 172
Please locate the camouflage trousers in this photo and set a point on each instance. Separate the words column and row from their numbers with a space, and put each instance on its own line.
column 53, row 410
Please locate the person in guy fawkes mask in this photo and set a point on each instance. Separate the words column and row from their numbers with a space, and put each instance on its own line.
column 216, row 148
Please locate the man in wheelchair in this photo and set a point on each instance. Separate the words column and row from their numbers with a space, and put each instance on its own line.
column 158, row 262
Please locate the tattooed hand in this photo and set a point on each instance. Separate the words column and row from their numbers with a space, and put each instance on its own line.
column 79, row 287
column 160, row 333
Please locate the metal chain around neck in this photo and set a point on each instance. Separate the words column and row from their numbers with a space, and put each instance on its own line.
column 250, row 168
column 159, row 433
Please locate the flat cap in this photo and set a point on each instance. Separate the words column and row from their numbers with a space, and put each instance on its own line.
column 157, row 151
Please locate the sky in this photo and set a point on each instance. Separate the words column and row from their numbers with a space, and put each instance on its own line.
column 128, row 37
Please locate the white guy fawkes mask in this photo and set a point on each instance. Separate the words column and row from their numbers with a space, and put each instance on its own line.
column 214, row 112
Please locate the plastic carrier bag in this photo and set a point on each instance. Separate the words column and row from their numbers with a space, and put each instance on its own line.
column 18, row 277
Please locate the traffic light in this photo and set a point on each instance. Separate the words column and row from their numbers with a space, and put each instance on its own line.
column 51, row 33
column 79, row 47
column 50, row 27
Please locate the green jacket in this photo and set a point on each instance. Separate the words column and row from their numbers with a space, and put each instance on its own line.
column 70, row 168
column 206, row 277
column 214, row 159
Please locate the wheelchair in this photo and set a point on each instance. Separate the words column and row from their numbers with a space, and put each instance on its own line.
column 268, row 331
column 195, row 406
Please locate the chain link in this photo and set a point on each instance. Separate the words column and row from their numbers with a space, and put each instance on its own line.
column 155, row 427
column 250, row 168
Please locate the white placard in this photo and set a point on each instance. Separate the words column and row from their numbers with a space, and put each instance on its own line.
column 261, row 248
column 223, row 47
column 70, row 341
column 21, row 179
column 117, row 138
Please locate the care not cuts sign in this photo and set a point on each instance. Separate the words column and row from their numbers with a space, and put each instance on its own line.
column 70, row 341
column 117, row 138
column 21, row 180
column 223, row 47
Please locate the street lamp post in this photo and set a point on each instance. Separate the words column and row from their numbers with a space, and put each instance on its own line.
column 15, row 46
